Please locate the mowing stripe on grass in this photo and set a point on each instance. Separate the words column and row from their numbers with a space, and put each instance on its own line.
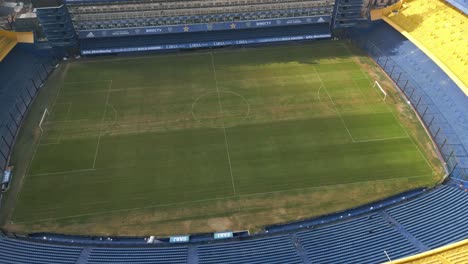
column 215, row 199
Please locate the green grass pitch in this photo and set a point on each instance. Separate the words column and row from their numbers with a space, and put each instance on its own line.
column 170, row 133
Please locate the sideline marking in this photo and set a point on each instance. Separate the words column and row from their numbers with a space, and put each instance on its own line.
column 59, row 172
column 102, row 121
column 219, row 198
column 416, row 145
column 224, row 127
column 36, row 147
column 95, row 81
column 379, row 139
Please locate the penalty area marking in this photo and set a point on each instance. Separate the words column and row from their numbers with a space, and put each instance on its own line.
column 333, row 186
column 102, row 121
column 334, row 105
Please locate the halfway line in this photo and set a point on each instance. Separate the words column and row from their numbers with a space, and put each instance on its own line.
column 224, row 127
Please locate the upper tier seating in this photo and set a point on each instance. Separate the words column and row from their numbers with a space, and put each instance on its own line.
column 141, row 14
column 440, row 28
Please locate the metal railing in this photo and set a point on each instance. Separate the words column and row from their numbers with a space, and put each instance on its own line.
column 447, row 141
column 11, row 125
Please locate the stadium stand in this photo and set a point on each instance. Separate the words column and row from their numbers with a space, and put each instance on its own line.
column 440, row 29
column 431, row 221
column 456, row 253
column 278, row 249
column 22, row 72
column 171, row 255
column 14, row 251
column 409, row 226
column 444, row 103
column 461, row 5
column 361, row 240
column 101, row 15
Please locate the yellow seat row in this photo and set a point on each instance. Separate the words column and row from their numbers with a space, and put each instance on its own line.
column 6, row 45
column 456, row 253
column 441, row 29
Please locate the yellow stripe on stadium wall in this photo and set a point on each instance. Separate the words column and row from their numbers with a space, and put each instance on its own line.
column 20, row 37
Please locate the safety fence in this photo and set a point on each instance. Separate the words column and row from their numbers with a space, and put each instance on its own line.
column 23, row 98
column 446, row 139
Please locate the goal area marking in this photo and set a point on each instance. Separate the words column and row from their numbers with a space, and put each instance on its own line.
column 46, row 112
column 376, row 83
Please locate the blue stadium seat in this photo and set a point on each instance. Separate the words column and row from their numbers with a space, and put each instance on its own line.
column 361, row 240
column 278, row 249
column 435, row 219
column 13, row 251
column 162, row 255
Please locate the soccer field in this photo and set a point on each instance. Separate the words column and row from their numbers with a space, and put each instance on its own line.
column 209, row 138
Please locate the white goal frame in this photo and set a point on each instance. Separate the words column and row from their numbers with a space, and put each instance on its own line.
column 46, row 112
column 376, row 83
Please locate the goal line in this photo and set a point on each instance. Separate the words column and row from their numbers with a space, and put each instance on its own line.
column 46, row 113
column 376, row 83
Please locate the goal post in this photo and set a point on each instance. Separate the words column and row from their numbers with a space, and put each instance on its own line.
column 44, row 115
column 376, row 83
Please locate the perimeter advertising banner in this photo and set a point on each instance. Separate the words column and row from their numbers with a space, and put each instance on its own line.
column 203, row 44
column 102, row 33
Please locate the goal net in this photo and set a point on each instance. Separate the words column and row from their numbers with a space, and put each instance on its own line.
column 44, row 117
column 377, row 84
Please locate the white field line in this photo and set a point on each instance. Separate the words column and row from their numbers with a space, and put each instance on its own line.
column 113, row 90
column 334, row 186
column 379, row 139
column 354, row 58
column 318, row 93
column 67, row 116
column 102, row 124
column 39, row 142
column 95, row 81
column 360, row 91
column 334, row 105
column 60, row 172
column 224, row 127
column 412, row 140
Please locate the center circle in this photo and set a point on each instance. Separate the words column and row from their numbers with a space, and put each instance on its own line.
column 220, row 109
